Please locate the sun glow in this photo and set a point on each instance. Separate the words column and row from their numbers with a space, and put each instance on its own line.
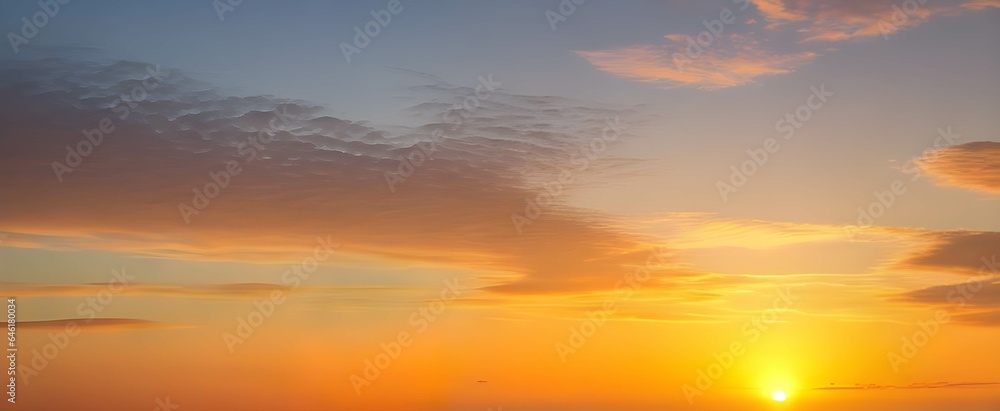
column 779, row 396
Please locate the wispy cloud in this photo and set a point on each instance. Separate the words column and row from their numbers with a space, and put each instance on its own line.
column 797, row 32
column 974, row 166
column 841, row 20
column 734, row 60
column 986, row 296
column 776, row 10
column 987, row 318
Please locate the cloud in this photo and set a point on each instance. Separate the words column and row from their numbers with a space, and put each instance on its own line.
column 974, row 301
column 711, row 243
column 980, row 4
column 775, row 247
column 732, row 60
column 989, row 318
column 960, row 252
column 319, row 175
column 797, row 32
column 95, row 324
column 982, row 293
column 239, row 290
column 841, row 20
column 776, row 10
column 975, row 166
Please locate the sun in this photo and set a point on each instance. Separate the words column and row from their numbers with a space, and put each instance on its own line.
column 779, row 396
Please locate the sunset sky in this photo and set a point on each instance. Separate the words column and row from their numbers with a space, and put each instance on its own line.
column 521, row 205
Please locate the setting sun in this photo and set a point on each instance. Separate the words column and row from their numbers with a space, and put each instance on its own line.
column 779, row 396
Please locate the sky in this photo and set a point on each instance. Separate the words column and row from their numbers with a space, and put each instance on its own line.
column 521, row 205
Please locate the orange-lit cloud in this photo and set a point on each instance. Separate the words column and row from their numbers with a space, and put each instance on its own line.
column 857, row 19
column 980, row 4
column 734, row 57
column 777, row 10
column 974, row 166
column 731, row 60
column 786, row 247
column 840, row 20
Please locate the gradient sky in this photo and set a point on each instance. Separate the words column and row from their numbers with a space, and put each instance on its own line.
column 817, row 183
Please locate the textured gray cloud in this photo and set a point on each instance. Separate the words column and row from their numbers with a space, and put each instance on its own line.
column 317, row 175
